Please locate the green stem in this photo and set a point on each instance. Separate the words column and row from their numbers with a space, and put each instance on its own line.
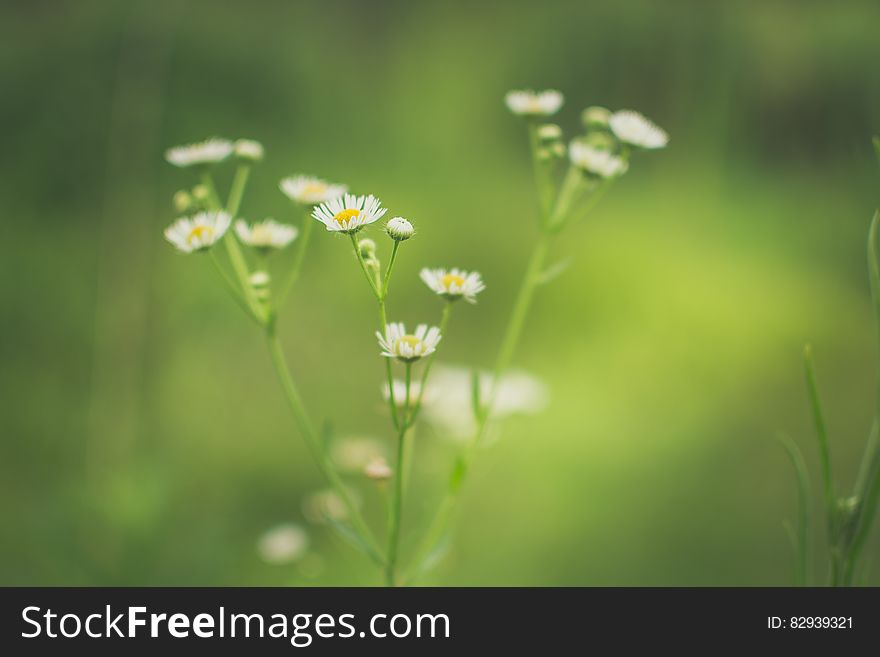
column 423, row 383
column 821, row 432
column 387, row 278
column 298, row 260
column 803, row 524
column 312, row 439
column 541, row 171
column 239, row 265
column 370, row 278
column 231, row 286
column 397, row 497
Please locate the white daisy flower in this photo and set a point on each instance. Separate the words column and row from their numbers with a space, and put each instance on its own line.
column 596, row 160
column 448, row 398
column 530, row 103
column 309, row 190
column 198, row 232
column 204, row 152
column 350, row 213
column 265, row 235
column 283, row 544
column 454, row 283
column 632, row 128
column 408, row 347
column 249, row 149
column 399, row 229
column 378, row 470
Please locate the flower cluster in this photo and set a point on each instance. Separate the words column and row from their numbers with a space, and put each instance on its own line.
column 457, row 401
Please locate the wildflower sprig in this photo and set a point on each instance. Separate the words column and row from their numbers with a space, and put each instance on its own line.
column 246, row 273
column 597, row 158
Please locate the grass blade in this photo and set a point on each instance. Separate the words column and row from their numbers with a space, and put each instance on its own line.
column 821, row 433
column 802, row 536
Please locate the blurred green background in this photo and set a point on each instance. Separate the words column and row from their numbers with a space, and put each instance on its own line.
column 145, row 440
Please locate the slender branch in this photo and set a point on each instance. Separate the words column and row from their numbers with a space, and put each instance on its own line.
column 387, row 278
column 397, row 497
column 299, row 258
column 312, row 439
column 803, row 523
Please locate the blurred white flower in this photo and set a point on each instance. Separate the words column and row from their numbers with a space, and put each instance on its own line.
column 267, row 234
column 549, row 132
column 198, row 232
column 324, row 505
column 260, row 278
column 415, row 387
column 350, row 213
column 309, row 190
column 453, row 284
column 530, row 103
column 632, row 128
column 596, row 160
column 448, row 398
column 378, row 470
column 353, row 454
column 408, row 347
column 249, row 149
column 283, row 544
column 399, row 229
column 204, row 152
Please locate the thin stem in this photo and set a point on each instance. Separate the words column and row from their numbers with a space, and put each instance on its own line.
column 231, row 286
column 397, row 497
column 298, row 260
column 821, row 431
column 389, row 375
column 803, row 523
column 423, row 383
column 360, row 258
column 387, row 278
column 541, row 171
column 312, row 439
column 239, row 265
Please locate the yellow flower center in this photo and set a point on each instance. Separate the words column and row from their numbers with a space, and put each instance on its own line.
column 410, row 340
column 451, row 279
column 314, row 189
column 342, row 218
column 201, row 233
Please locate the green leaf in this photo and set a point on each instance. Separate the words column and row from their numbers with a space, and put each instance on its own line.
column 799, row 539
column 821, row 435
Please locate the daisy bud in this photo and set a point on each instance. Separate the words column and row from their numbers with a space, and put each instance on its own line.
column 200, row 193
column 248, row 149
column 557, row 149
column 399, row 229
column 378, row 470
column 367, row 248
column 595, row 117
column 549, row 132
column 182, row 201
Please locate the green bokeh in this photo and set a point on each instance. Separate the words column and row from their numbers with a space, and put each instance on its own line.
column 145, row 440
